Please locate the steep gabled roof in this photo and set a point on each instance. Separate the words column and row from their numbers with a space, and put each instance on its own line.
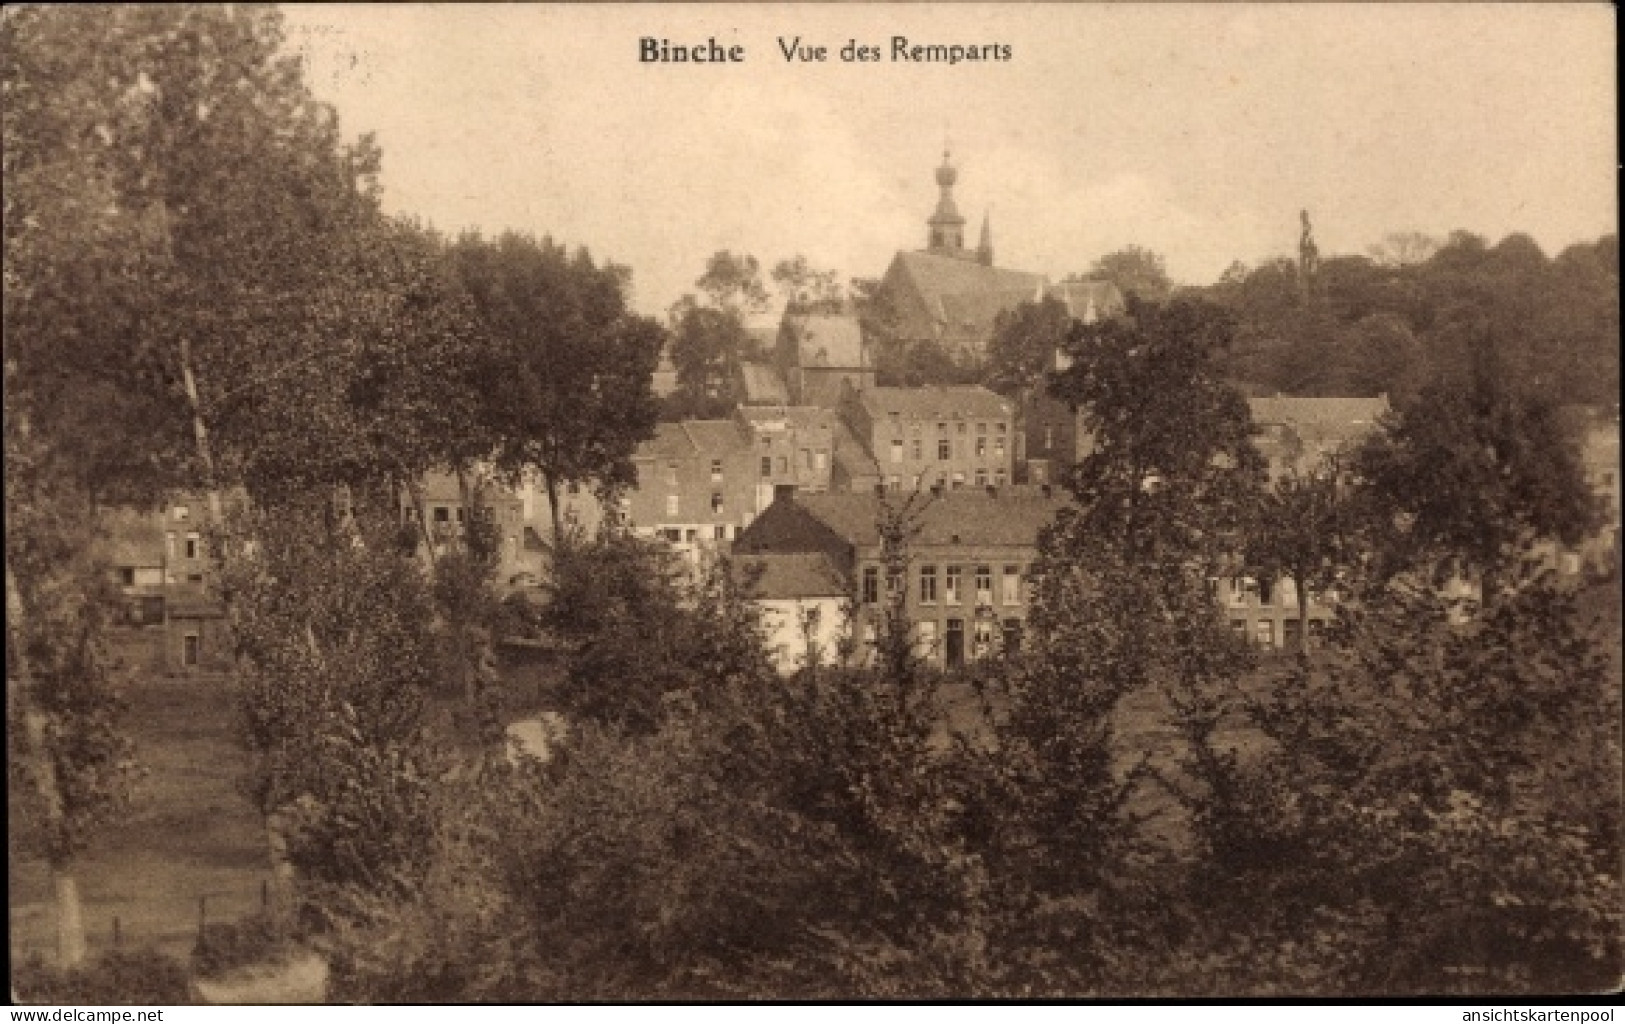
column 833, row 340
column 715, row 437
column 774, row 575
column 798, row 417
column 1087, row 299
column 960, row 296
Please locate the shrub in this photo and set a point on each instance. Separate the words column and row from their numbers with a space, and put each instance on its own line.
column 226, row 945
column 117, row 977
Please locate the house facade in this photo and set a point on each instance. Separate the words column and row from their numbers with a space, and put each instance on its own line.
column 802, row 599
column 967, row 584
column 916, row 438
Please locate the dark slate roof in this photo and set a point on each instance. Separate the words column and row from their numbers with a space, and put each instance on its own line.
column 963, row 296
column 970, row 516
column 827, row 339
column 762, row 384
column 784, row 576
column 670, row 440
column 962, row 402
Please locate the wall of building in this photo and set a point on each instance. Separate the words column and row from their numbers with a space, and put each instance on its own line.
column 915, row 452
column 785, row 621
column 944, row 600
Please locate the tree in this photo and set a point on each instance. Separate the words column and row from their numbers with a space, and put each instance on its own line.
column 708, row 345
column 72, row 767
column 806, row 289
column 1024, row 345
column 1135, row 271
column 734, row 283
column 1468, row 480
column 1404, row 249
column 1304, row 531
column 567, row 367
column 1172, row 470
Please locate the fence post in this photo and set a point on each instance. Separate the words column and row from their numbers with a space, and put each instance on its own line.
column 265, row 894
column 202, row 915
column 118, row 936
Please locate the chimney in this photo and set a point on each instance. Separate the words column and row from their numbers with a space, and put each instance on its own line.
column 784, row 493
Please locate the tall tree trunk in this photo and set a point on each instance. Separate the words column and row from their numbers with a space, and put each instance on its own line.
column 70, row 920
column 200, row 434
column 552, row 485
column 1302, row 584
column 414, row 488
column 70, row 928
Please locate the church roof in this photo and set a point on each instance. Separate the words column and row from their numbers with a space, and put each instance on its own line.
column 961, row 296
column 826, row 339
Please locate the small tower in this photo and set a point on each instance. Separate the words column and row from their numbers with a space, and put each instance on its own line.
column 1308, row 253
column 947, row 226
column 984, row 248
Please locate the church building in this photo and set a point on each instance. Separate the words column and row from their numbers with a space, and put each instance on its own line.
column 951, row 295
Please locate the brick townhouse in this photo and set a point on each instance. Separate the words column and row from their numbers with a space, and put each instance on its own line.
column 967, row 582
column 909, row 439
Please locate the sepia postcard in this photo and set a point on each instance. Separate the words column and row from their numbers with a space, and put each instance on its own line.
column 828, row 502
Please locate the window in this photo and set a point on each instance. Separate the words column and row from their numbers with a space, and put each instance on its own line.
column 958, row 481
column 767, row 441
column 1049, row 438
column 716, row 471
column 673, row 504
column 1240, row 626
column 1012, row 636
column 672, row 534
column 182, row 513
column 925, row 639
column 1266, row 591
column 767, row 465
column 897, row 451
column 944, row 450
column 721, row 533
column 894, row 482
column 442, row 514
column 894, row 581
column 191, row 649
column 575, row 488
column 716, row 503
column 820, row 460
column 806, row 458
column 1293, row 633
column 784, row 465
column 962, row 428
column 982, row 638
column 896, row 423
column 169, row 543
column 191, row 545
column 942, row 428
column 671, row 472
column 950, row 587
column 1002, row 428
column 690, row 535
column 459, row 513
column 928, row 584
column 1010, row 587
column 998, row 447
column 981, row 428
column 984, row 584
column 1265, row 632
column 871, row 584
column 126, row 576
column 998, row 478
column 919, row 450
column 981, row 478
column 981, row 447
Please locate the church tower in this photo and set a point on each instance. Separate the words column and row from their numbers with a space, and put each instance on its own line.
column 947, row 226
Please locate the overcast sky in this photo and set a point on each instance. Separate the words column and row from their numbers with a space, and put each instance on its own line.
column 1197, row 131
